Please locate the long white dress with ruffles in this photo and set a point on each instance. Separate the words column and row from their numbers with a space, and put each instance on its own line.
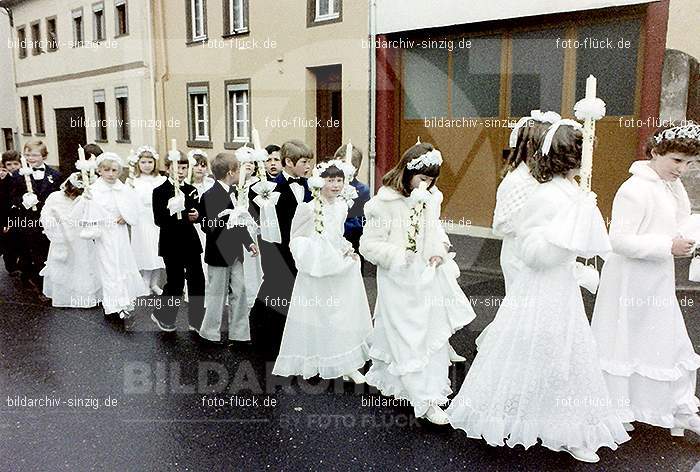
column 645, row 352
column 329, row 319
column 536, row 374
column 69, row 275
column 418, row 308
column 144, row 235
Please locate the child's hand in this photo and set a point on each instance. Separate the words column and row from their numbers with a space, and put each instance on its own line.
column 435, row 261
column 682, row 247
column 354, row 256
column 193, row 215
column 254, row 249
column 121, row 221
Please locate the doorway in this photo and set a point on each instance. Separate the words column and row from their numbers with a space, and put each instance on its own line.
column 70, row 132
column 329, row 110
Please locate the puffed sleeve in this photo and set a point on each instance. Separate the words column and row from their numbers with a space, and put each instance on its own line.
column 628, row 211
column 374, row 243
column 314, row 254
column 438, row 242
column 50, row 219
column 127, row 201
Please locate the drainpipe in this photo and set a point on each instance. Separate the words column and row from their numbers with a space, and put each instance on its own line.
column 150, row 37
column 372, row 95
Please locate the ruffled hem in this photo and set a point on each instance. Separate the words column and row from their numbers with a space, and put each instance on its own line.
column 415, row 365
column 626, row 369
column 325, row 367
column 377, row 379
column 497, row 431
column 629, row 415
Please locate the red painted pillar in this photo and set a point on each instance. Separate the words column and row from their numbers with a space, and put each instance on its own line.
column 386, row 113
column 655, row 28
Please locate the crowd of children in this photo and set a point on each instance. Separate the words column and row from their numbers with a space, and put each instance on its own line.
column 283, row 241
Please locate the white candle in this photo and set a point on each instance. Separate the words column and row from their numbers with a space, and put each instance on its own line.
column 27, row 178
column 591, row 83
column 81, row 153
column 256, row 140
column 173, row 144
column 83, row 171
column 348, row 153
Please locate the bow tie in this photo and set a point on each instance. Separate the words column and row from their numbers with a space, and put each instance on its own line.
column 232, row 191
column 298, row 180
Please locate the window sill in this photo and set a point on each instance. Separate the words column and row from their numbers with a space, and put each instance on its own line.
column 235, row 145
column 121, row 35
column 101, row 141
column 200, row 144
column 27, row 134
column 41, row 135
column 123, row 141
column 236, row 34
column 197, row 42
column 325, row 21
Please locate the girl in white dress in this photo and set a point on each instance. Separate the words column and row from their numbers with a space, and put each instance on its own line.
column 329, row 319
column 419, row 303
column 647, row 357
column 112, row 207
column 144, row 235
column 517, row 186
column 536, row 374
column 69, row 275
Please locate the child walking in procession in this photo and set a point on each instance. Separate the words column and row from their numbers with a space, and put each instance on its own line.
column 536, row 375
column 144, row 236
column 69, row 276
column 329, row 320
column 180, row 248
column 419, row 303
column 202, row 181
column 227, row 238
column 647, row 357
column 112, row 207
column 11, row 163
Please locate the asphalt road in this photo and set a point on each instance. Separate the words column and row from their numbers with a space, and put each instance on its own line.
column 105, row 399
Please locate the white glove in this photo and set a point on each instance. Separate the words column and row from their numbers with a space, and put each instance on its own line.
column 176, row 204
column 29, row 200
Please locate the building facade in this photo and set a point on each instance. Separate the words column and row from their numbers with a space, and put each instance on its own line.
column 83, row 73
column 289, row 68
column 8, row 117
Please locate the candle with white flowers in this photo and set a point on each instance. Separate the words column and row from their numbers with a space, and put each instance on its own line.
column 589, row 109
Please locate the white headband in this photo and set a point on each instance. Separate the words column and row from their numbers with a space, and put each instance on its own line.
column 547, row 143
column 430, row 158
column 691, row 131
column 245, row 154
column 316, row 181
column 109, row 157
column 536, row 115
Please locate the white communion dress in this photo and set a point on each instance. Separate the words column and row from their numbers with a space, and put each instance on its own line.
column 145, row 234
column 329, row 319
column 536, row 374
column 418, row 307
column 648, row 359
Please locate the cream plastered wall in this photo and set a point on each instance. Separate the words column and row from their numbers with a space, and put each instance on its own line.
column 684, row 27
column 67, row 77
column 276, row 56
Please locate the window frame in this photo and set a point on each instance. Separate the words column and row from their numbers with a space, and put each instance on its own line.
column 36, row 42
column 22, row 42
column 231, row 141
column 229, row 29
column 39, row 122
column 49, row 42
column 191, row 27
column 192, row 121
column 103, row 22
column 98, row 128
column 121, row 137
column 76, row 13
column 117, row 32
column 26, row 119
column 313, row 17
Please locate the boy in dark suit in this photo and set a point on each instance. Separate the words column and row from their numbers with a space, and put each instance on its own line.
column 279, row 269
column 181, row 250
column 25, row 222
column 10, row 241
column 224, row 252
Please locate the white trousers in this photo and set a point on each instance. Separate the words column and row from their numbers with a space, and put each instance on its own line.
column 220, row 280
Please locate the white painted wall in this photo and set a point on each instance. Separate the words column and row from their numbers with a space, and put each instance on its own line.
column 407, row 15
column 8, row 118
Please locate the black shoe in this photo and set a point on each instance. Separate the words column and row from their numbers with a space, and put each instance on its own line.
column 210, row 342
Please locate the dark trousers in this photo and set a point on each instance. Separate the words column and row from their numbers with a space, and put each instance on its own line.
column 178, row 269
column 33, row 254
column 10, row 251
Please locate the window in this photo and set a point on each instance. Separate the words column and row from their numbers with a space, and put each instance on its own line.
column 121, row 17
column 614, row 65
column 321, row 12
column 100, row 116
column 198, row 98
column 238, row 111
column 197, row 20
column 51, row 35
column 425, row 66
column 122, row 96
column 22, row 42
column 39, row 114
column 98, row 21
column 78, row 28
column 36, row 38
column 235, row 17
column 9, row 139
column 26, row 124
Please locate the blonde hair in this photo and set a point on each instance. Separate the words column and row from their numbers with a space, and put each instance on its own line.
column 38, row 144
column 295, row 150
column 356, row 158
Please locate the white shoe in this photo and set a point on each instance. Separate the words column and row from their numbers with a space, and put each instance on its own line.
column 582, row 454
column 454, row 357
column 356, row 377
column 628, row 427
column 157, row 290
column 437, row 415
column 691, row 422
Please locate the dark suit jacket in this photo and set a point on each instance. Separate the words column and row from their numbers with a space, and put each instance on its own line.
column 356, row 214
column 178, row 238
column 16, row 188
column 224, row 246
column 287, row 206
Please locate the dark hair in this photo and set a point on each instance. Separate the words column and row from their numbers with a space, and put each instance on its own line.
column 92, row 149
column 10, row 156
column 356, row 158
column 71, row 190
column 270, row 148
column 399, row 178
column 200, row 159
column 564, row 155
column 331, row 172
column 687, row 146
column 529, row 141
column 295, row 150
